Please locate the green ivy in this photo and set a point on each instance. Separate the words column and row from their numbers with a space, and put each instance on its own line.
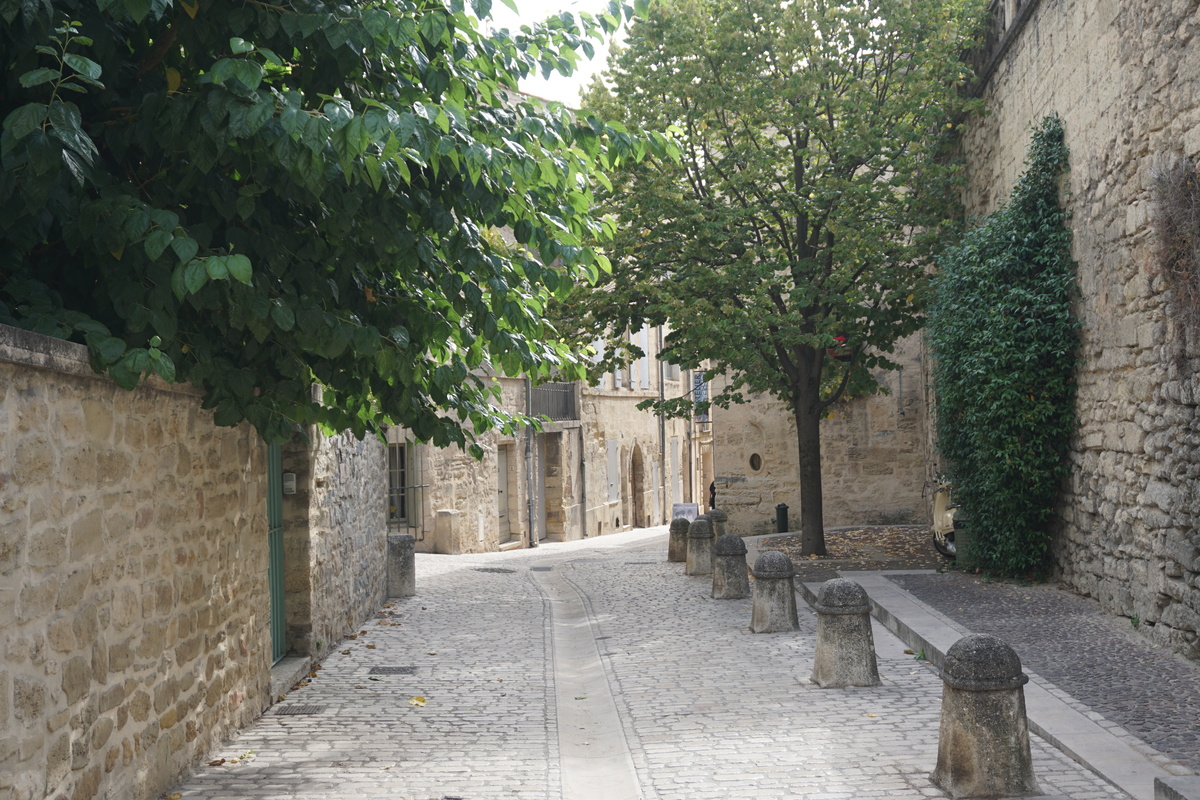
column 1004, row 341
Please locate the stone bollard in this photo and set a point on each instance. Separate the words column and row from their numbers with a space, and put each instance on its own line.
column 677, row 543
column 719, row 518
column 699, row 547
column 845, row 651
column 401, row 565
column 983, row 745
column 774, row 607
column 730, row 579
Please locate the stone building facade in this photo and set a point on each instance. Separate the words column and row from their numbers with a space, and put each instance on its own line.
column 598, row 466
column 1124, row 77
column 874, row 455
column 135, row 565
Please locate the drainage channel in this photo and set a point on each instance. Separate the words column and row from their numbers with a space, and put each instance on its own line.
column 595, row 759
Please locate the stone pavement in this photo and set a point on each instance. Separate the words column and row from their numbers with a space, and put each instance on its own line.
column 1097, row 658
column 508, row 671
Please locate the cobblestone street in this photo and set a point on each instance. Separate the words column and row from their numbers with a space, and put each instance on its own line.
column 458, row 693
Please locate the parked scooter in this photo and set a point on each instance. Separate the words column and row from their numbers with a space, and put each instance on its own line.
column 944, row 509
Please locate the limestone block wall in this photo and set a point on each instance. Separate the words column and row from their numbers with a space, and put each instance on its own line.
column 134, row 629
column 631, row 477
column 874, row 456
column 335, row 538
column 1124, row 76
column 611, row 470
column 460, row 505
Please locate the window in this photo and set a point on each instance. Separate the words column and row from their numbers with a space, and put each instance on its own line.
column 643, row 363
column 402, row 488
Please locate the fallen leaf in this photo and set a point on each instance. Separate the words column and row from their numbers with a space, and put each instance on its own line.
column 360, row 687
column 431, row 654
column 173, row 796
column 317, row 667
column 370, row 647
column 216, row 763
column 416, row 701
column 345, row 652
column 372, row 679
column 872, row 715
column 362, row 633
column 910, row 652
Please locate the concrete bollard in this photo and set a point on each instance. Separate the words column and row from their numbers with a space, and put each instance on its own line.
column 401, row 565
column 730, row 578
column 699, row 547
column 677, row 543
column 845, row 650
column 719, row 518
column 983, row 745
column 774, row 607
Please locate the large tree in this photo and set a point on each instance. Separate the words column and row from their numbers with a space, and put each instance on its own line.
column 814, row 182
column 260, row 197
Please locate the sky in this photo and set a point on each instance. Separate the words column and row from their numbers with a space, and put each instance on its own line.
column 564, row 90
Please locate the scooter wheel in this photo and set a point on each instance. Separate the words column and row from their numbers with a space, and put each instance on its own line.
column 945, row 545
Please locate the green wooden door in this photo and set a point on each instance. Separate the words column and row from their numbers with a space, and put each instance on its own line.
column 275, row 548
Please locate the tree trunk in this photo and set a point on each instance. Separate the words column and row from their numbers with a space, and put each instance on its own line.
column 812, row 514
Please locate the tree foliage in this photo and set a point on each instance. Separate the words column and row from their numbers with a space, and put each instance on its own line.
column 814, row 182
column 257, row 197
column 1004, row 341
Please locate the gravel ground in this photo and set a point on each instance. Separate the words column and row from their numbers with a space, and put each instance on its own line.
column 874, row 547
column 1095, row 657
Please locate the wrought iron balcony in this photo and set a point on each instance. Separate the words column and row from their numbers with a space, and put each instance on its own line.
column 556, row 401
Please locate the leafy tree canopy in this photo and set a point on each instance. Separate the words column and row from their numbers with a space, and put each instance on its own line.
column 813, row 186
column 257, row 197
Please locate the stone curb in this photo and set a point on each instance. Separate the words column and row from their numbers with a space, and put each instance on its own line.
column 1108, row 756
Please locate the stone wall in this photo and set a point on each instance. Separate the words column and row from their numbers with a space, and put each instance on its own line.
column 133, row 595
column 1124, row 77
column 632, row 478
column 459, row 501
column 335, row 535
column 610, row 470
column 873, row 456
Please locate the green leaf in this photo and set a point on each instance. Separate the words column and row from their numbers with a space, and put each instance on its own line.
column 195, row 275
column 83, row 65
column 138, row 9
column 217, row 267
column 25, row 119
column 178, row 285
column 240, row 269
column 185, row 247
column 156, row 243
column 108, row 348
column 283, row 317
column 165, row 368
column 238, row 45
column 36, row 77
